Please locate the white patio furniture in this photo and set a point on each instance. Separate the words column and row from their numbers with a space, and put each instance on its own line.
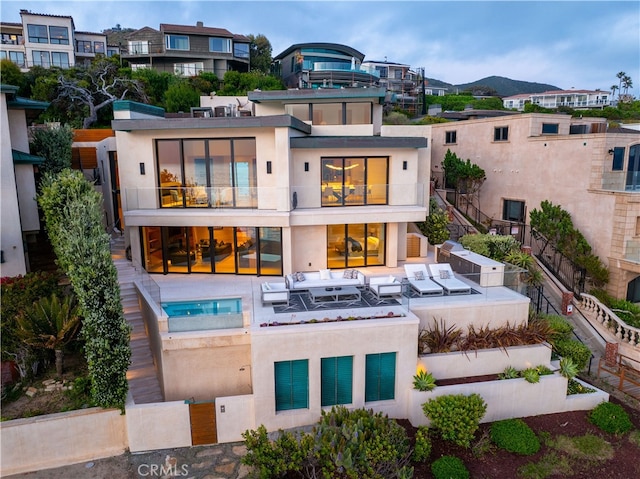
column 385, row 287
column 442, row 274
column 274, row 293
column 418, row 278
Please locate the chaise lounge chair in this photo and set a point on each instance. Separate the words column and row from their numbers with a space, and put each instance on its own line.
column 442, row 274
column 418, row 277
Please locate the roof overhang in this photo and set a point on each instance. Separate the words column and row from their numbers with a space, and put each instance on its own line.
column 358, row 142
column 308, row 94
column 273, row 121
column 22, row 158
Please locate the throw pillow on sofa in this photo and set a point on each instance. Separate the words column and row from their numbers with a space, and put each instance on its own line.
column 325, row 274
column 299, row 276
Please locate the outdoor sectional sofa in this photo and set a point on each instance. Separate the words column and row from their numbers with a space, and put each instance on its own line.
column 324, row 278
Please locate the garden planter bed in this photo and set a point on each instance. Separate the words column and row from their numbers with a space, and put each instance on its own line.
column 466, row 380
column 331, row 320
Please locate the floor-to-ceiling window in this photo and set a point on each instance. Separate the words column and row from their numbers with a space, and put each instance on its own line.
column 212, row 249
column 354, row 245
column 354, row 181
column 207, row 173
column 633, row 168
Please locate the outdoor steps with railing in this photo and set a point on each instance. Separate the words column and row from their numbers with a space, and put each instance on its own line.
column 623, row 333
column 142, row 374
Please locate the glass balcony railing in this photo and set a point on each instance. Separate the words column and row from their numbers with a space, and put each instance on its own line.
column 275, row 198
column 632, row 251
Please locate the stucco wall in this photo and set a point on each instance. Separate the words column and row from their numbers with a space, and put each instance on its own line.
column 158, row 426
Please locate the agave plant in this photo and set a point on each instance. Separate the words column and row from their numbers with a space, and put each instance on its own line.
column 509, row 373
column 531, row 375
column 424, row 381
column 568, row 368
column 50, row 323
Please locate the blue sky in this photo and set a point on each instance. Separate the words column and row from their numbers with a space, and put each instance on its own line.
column 572, row 44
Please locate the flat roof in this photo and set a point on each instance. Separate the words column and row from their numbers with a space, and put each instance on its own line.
column 358, row 142
column 306, row 94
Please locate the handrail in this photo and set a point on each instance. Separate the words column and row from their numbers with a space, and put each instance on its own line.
column 609, row 319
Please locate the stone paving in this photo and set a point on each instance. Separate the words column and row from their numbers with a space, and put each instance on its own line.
column 219, row 461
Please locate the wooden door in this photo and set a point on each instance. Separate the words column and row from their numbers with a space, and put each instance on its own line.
column 203, row 423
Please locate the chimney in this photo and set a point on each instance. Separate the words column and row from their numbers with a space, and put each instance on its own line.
column 199, row 24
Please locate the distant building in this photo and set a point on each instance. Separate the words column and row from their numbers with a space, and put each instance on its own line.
column 323, row 65
column 576, row 99
column 188, row 50
column 50, row 41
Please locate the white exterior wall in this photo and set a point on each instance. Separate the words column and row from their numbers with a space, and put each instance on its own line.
column 48, row 20
column 320, row 340
column 10, row 230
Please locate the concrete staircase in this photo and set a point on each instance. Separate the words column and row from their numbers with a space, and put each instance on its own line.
column 142, row 374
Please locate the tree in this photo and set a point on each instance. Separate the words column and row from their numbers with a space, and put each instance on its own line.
column 181, row 97
column 53, row 143
column 96, row 88
column 50, row 323
column 434, row 226
column 260, row 54
column 73, row 217
column 155, row 84
column 613, row 90
column 464, row 176
column 236, row 83
column 626, row 84
column 10, row 74
column 620, row 76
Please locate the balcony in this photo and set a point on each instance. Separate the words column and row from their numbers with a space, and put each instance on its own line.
column 632, row 251
column 274, row 198
column 621, row 181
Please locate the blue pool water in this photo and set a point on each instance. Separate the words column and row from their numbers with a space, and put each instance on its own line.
column 207, row 307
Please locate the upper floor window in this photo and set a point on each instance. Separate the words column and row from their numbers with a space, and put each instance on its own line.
column 513, row 210
column 38, row 33
column 354, row 181
column 15, row 57
column 41, row 59
column 241, row 50
column 139, row 47
column 59, row 35
column 633, row 168
column 83, row 46
column 10, row 39
column 501, row 133
column 450, row 137
column 60, row 59
column 177, row 42
column 618, row 159
column 384, row 71
column 549, row 128
column 98, row 47
column 220, row 45
column 112, row 51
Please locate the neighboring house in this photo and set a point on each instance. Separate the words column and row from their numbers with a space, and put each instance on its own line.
column 49, row 41
column 576, row 99
column 19, row 219
column 323, row 65
column 590, row 170
column 399, row 80
column 188, row 50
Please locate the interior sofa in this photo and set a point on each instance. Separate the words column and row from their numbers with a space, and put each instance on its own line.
column 301, row 281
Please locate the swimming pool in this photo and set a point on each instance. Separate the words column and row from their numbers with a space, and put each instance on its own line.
column 223, row 313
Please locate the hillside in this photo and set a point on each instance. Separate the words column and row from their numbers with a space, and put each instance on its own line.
column 503, row 86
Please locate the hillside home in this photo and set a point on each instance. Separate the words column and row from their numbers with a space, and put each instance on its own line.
column 590, row 170
column 50, row 41
column 188, row 50
column 20, row 218
column 576, row 99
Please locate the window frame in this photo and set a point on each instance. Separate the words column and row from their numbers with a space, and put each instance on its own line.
column 226, row 44
column 617, row 162
column 63, row 58
column 81, row 46
column 501, row 133
column 99, row 47
column 41, row 54
column 239, row 52
column 35, row 31
column 506, row 210
column 59, row 38
column 380, row 376
column 450, row 137
column 173, row 42
column 289, row 393
column 336, row 381
column 551, row 128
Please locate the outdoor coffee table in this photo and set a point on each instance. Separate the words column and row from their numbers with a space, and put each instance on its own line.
column 334, row 294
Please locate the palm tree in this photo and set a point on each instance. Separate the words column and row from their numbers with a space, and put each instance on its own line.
column 620, row 76
column 50, row 324
column 613, row 91
column 626, row 83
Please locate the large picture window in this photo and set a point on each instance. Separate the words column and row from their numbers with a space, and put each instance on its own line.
column 380, row 380
column 633, row 169
column 356, row 245
column 220, row 45
column 336, row 380
column 332, row 113
column 41, row 58
column 354, row 181
column 177, row 42
column 38, row 33
column 292, row 384
column 59, row 35
column 241, row 50
column 60, row 59
column 216, row 173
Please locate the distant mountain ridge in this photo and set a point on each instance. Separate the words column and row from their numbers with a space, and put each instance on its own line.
column 502, row 85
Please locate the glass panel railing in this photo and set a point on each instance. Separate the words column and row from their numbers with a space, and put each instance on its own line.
column 632, row 251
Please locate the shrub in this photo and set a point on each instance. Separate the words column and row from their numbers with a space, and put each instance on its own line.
column 422, row 449
column 571, row 348
column 574, row 387
column 561, row 328
column 272, row 458
column 456, row 417
column 449, row 467
column 611, row 418
column 514, row 435
column 439, row 339
column 424, row 381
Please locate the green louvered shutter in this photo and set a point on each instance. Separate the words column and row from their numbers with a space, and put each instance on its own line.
column 292, row 384
column 336, row 380
column 380, row 377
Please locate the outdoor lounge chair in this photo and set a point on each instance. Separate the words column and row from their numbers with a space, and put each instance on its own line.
column 442, row 274
column 387, row 287
column 420, row 282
